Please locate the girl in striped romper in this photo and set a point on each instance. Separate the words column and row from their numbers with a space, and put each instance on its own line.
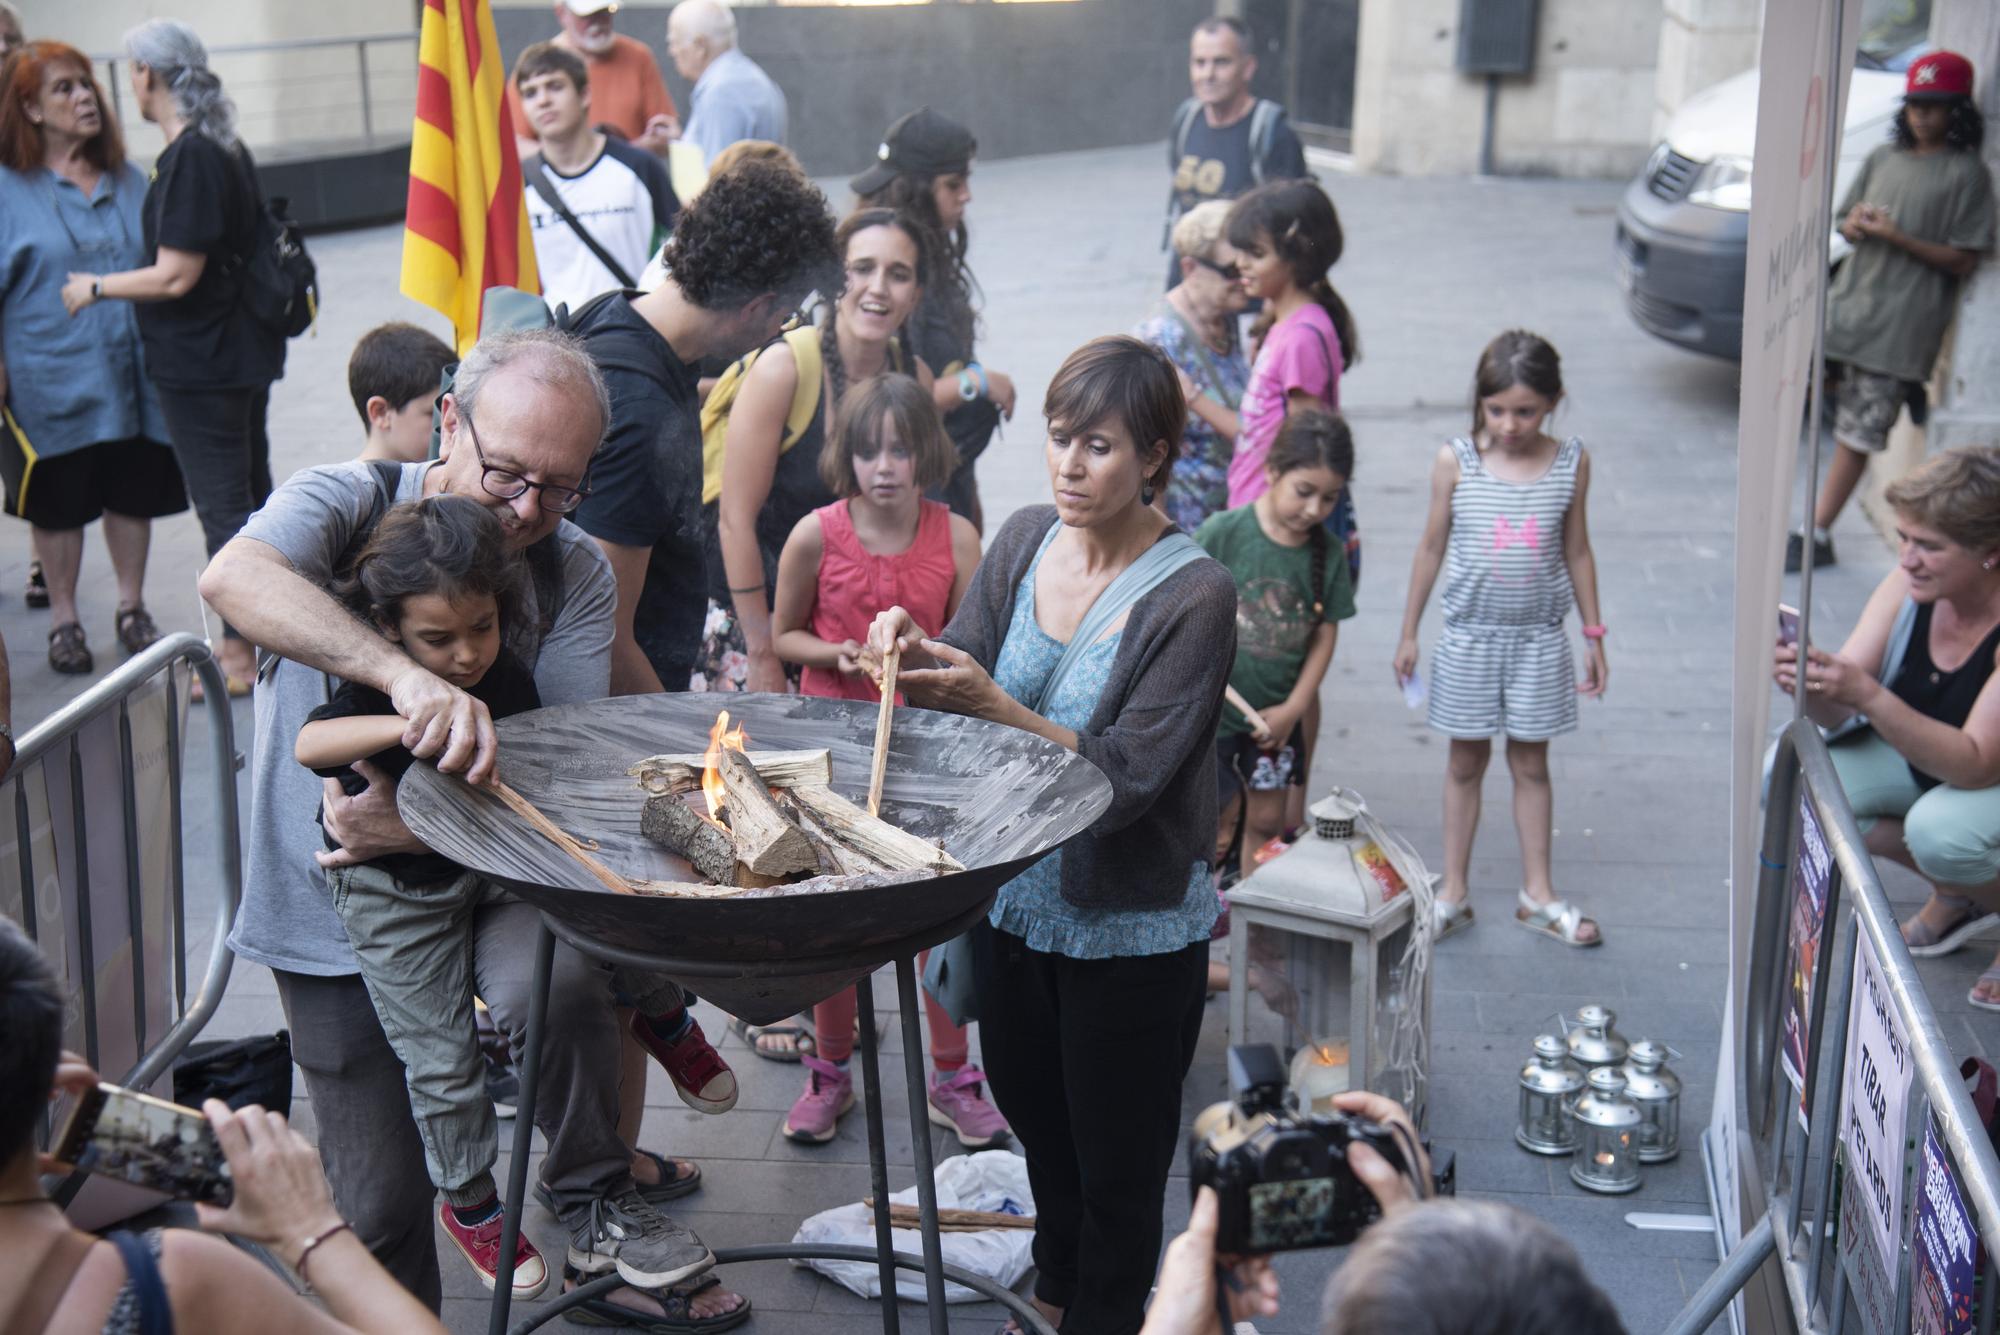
column 1507, row 524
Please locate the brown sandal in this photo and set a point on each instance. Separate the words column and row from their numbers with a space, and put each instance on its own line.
column 136, row 628
column 69, row 653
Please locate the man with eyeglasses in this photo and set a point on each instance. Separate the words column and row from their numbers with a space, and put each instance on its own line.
column 519, row 432
column 729, row 289
column 1225, row 140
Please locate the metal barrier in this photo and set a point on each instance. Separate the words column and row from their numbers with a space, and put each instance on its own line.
column 1807, row 1205
column 53, row 847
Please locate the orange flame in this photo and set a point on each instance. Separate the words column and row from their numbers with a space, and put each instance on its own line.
column 719, row 736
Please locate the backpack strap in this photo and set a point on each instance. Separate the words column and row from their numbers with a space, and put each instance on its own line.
column 1263, row 128
column 1153, row 568
column 804, row 343
column 1177, row 146
column 142, row 1273
column 50, row 1281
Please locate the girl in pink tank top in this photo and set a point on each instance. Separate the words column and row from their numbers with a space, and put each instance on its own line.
column 881, row 545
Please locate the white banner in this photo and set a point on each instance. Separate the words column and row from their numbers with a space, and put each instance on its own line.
column 1874, row 1099
column 1802, row 95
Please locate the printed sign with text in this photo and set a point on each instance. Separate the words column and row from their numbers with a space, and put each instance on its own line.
column 1874, row 1102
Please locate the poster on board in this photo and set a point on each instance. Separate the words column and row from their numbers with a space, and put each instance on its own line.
column 1874, row 1101
column 1944, row 1248
column 1807, row 930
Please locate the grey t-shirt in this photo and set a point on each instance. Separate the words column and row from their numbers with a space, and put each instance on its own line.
column 286, row 919
column 1887, row 310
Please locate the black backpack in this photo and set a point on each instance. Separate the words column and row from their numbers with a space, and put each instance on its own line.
column 280, row 283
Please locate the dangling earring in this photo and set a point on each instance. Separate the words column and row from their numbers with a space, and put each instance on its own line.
column 1146, row 498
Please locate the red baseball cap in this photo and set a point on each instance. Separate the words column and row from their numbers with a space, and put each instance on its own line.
column 1939, row 75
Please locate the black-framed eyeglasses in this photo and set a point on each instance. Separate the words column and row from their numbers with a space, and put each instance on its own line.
column 1233, row 273
column 508, row 485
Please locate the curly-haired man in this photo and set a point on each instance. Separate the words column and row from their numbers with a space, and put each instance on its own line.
column 746, row 252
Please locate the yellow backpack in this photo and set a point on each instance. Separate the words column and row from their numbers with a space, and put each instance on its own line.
column 804, row 343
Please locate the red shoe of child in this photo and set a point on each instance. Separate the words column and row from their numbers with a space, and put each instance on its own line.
column 703, row 1080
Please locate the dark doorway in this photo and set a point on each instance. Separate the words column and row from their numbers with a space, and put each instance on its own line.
column 1305, row 59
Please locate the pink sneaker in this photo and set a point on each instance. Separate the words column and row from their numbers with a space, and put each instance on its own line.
column 815, row 1118
column 959, row 1101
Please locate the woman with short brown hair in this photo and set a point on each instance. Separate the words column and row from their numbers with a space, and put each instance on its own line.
column 1914, row 707
column 1099, row 625
column 86, row 436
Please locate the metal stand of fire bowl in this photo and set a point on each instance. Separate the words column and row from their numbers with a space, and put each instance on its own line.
column 886, row 1257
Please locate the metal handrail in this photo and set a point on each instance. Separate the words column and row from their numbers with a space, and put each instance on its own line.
column 283, row 44
column 59, row 727
column 360, row 42
column 1802, row 757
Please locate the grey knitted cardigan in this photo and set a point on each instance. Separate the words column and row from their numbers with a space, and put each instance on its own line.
column 1153, row 731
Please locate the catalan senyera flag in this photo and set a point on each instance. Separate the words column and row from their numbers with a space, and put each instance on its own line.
column 466, row 227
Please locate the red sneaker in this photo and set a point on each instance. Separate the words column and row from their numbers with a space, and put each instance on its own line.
column 702, row 1078
column 481, row 1246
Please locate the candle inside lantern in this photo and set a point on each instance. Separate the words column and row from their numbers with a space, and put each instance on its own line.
column 1319, row 1071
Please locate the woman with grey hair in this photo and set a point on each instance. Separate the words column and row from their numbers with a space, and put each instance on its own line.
column 209, row 357
column 1195, row 325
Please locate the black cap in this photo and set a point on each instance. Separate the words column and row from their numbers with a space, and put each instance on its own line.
column 923, row 143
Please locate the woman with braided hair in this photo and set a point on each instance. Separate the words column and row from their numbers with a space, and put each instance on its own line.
column 769, row 470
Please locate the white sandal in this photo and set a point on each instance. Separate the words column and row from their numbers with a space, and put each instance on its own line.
column 1447, row 917
column 1559, row 919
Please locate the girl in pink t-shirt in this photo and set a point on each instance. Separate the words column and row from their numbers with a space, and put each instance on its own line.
column 881, row 545
column 1287, row 236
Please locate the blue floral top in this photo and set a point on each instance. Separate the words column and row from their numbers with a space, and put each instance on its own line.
column 1199, row 486
column 1031, row 906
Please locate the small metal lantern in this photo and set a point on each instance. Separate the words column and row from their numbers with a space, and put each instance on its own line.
column 1592, row 1040
column 1657, row 1093
column 1549, row 1087
column 1607, row 1136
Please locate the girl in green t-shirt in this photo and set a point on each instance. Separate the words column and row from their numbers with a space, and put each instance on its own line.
column 1289, row 597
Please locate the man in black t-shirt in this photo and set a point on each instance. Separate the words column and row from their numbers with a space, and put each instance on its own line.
column 1225, row 140
column 728, row 291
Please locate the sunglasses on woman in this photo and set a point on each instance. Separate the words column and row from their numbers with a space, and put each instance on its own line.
column 1230, row 272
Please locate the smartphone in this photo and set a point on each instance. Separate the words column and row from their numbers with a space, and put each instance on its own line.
column 119, row 1133
column 1788, row 624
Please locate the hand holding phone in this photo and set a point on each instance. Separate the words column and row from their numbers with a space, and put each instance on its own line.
column 148, row 1142
column 1788, row 624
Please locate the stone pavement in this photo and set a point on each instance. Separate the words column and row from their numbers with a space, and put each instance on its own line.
column 1066, row 249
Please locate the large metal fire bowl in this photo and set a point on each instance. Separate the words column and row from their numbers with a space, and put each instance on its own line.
column 994, row 796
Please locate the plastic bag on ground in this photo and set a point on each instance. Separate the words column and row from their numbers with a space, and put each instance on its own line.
column 995, row 1180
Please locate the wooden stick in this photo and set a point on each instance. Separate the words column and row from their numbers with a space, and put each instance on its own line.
column 662, row 775
column 556, row 835
column 671, row 822
column 766, row 840
column 953, row 1220
column 1250, row 716
column 871, row 835
column 884, row 717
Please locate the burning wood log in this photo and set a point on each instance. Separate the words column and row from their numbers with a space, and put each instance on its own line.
column 663, row 775
column 835, row 857
column 869, row 835
column 767, row 842
column 672, row 822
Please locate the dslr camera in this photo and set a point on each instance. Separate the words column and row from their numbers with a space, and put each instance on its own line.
column 1282, row 1176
